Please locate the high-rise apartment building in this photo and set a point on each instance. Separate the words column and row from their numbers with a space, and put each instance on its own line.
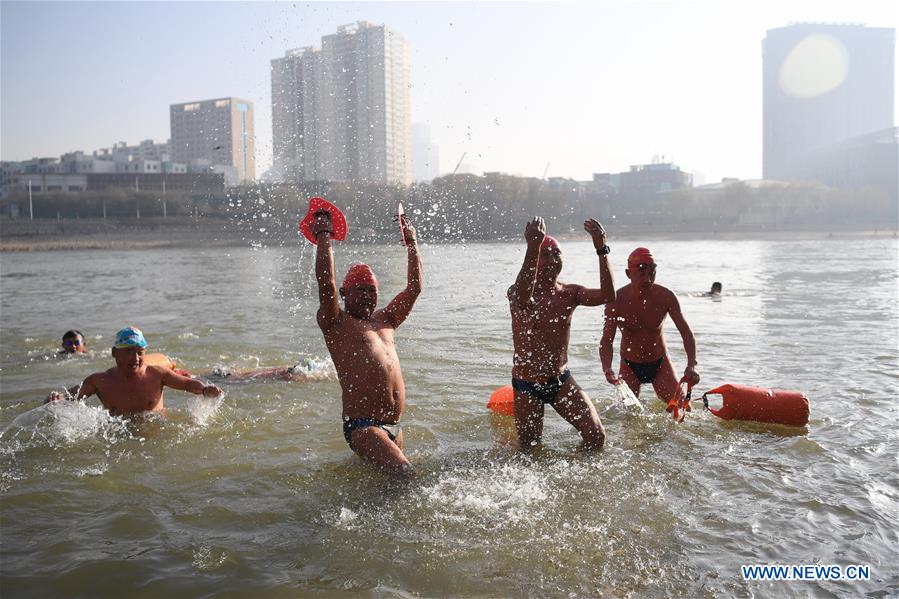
column 425, row 154
column 342, row 113
column 219, row 131
column 295, row 95
column 823, row 84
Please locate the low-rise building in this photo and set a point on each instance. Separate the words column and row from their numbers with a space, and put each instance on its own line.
column 118, row 165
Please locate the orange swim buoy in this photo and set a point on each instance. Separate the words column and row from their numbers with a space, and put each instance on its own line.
column 159, row 360
column 502, row 401
column 774, row 406
column 165, row 361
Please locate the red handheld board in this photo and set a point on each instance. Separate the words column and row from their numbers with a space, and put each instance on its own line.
column 338, row 220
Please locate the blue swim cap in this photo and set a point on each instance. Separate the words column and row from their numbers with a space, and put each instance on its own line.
column 130, row 337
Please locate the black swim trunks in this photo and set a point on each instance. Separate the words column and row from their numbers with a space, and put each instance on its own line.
column 351, row 424
column 545, row 392
column 646, row 372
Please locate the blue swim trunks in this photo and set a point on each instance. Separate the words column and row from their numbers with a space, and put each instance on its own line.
column 351, row 424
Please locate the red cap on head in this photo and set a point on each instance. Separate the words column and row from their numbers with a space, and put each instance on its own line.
column 359, row 274
column 640, row 256
column 549, row 242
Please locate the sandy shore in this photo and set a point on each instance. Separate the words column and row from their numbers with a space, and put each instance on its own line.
column 51, row 235
column 105, row 244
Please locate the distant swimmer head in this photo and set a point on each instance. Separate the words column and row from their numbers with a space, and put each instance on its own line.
column 73, row 343
column 222, row 372
column 716, row 288
column 360, row 291
column 130, row 337
column 304, row 366
column 641, row 267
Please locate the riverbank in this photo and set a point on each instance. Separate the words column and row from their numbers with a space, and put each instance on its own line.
column 149, row 233
column 127, row 234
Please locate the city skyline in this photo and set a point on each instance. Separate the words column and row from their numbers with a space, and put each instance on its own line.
column 566, row 89
column 340, row 112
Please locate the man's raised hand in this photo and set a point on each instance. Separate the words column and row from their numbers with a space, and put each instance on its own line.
column 535, row 231
column 596, row 231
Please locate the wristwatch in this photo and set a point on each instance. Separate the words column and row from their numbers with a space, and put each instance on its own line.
column 603, row 251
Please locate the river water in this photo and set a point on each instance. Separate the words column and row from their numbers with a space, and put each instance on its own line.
column 258, row 494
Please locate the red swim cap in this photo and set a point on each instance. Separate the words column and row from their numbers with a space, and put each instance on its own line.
column 640, row 256
column 359, row 274
column 549, row 241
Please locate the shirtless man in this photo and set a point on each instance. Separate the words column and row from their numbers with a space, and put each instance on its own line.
column 541, row 309
column 639, row 310
column 361, row 341
column 131, row 386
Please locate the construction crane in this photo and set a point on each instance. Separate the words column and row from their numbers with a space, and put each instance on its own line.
column 458, row 164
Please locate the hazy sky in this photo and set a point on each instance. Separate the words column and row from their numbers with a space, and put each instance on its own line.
column 584, row 87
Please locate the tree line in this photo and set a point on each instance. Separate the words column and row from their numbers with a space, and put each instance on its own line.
column 494, row 206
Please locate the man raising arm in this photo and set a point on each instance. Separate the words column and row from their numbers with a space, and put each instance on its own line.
column 541, row 308
column 360, row 339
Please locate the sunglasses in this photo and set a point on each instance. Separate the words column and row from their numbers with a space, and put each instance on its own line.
column 646, row 267
column 72, row 342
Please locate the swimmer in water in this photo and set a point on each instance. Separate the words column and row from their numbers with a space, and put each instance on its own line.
column 302, row 371
column 360, row 338
column 715, row 291
column 73, row 343
column 541, row 309
column 639, row 310
column 131, row 386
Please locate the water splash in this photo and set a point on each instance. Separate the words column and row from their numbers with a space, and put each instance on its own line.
column 202, row 409
column 627, row 397
column 61, row 424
